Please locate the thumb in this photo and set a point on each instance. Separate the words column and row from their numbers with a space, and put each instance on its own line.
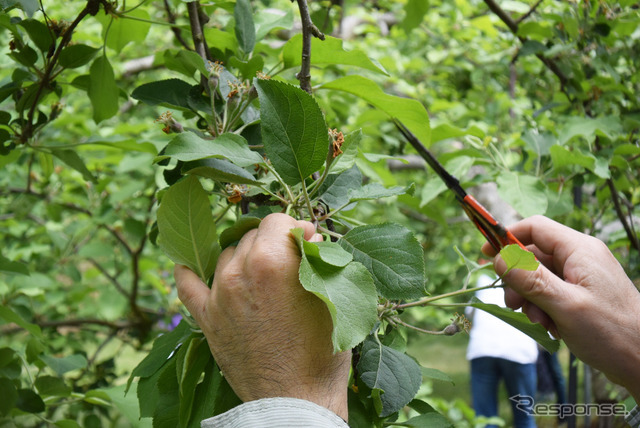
column 540, row 287
column 191, row 290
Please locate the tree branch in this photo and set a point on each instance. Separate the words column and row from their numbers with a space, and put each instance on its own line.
column 513, row 27
column 193, row 8
column 74, row 323
column 633, row 239
column 531, row 11
column 110, row 277
column 92, row 7
column 308, row 30
column 176, row 31
column 47, row 198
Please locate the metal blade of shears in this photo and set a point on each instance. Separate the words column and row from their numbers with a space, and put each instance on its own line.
column 493, row 231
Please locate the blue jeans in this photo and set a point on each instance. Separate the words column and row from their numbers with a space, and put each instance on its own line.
column 486, row 373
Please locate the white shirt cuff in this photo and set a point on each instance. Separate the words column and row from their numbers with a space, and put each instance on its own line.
column 276, row 412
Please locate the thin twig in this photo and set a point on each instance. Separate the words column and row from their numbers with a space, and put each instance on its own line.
column 513, row 27
column 531, row 11
column 110, row 277
column 196, row 28
column 73, row 323
column 397, row 320
column 633, row 239
column 308, row 30
column 47, row 198
column 119, row 237
column 92, row 8
column 176, row 31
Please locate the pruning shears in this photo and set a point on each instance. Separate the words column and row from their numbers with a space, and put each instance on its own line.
column 493, row 231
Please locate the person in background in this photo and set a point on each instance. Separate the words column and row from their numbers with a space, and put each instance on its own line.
column 272, row 339
column 551, row 382
column 499, row 353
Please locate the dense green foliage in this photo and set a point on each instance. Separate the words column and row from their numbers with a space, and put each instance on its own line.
column 136, row 134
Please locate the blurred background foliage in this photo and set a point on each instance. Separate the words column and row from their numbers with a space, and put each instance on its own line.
column 540, row 98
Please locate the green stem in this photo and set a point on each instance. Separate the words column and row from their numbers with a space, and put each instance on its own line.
column 329, row 232
column 148, row 21
column 308, row 203
column 413, row 327
column 278, row 197
column 135, row 7
column 222, row 214
column 282, row 183
column 427, row 300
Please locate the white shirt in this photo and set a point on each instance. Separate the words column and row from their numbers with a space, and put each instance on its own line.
column 492, row 337
column 276, row 412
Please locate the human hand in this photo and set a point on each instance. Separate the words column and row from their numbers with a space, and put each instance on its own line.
column 580, row 293
column 270, row 337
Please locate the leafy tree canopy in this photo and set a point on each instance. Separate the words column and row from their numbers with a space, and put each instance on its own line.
column 134, row 135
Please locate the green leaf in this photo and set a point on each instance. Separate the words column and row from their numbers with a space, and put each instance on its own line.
column 233, row 234
column 428, row 420
column 205, row 395
column 126, row 406
column 30, row 402
column 26, row 56
column 538, row 143
column 328, row 252
column 518, row 258
column 219, row 170
column 67, row 423
column 378, row 191
column 122, row 31
column 414, row 12
column 521, row 322
column 72, row 159
column 190, row 368
column 185, row 62
column 294, row 132
column 589, row 128
column 566, row 156
column 52, row 386
column 393, row 376
column 336, row 188
column 410, row 112
column 9, row 396
column 188, row 146
column 75, row 56
column 245, row 29
column 5, row 117
column 103, row 91
column 10, row 316
column 436, row 375
column 350, row 296
column 269, row 19
column 167, row 411
column 248, row 68
column 171, row 93
column 29, row 6
column 38, row 33
column 66, row 364
column 393, row 256
column 187, row 232
column 348, row 292
column 163, row 348
column 525, row 193
column 12, row 267
column 328, row 51
column 97, row 397
column 445, row 131
column 147, row 393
